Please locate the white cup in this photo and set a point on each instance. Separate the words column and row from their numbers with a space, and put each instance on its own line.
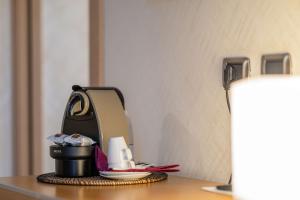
column 119, row 155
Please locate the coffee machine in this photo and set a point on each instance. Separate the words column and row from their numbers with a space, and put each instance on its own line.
column 95, row 112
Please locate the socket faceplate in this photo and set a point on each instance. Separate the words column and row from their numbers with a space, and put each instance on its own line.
column 235, row 68
column 276, row 64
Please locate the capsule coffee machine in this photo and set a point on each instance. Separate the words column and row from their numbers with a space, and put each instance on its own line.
column 98, row 113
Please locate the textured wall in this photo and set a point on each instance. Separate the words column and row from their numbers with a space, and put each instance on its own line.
column 6, row 139
column 65, row 61
column 166, row 57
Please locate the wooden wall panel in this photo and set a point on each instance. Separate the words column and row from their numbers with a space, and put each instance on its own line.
column 20, row 87
column 27, row 86
column 96, row 28
column 35, row 86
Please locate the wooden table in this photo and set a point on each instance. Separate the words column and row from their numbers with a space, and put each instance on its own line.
column 175, row 188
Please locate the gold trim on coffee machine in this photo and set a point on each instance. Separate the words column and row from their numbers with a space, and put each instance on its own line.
column 110, row 115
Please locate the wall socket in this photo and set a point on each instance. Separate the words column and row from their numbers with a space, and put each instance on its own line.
column 235, row 68
column 276, row 64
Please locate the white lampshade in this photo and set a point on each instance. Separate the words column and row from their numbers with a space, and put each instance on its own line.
column 266, row 138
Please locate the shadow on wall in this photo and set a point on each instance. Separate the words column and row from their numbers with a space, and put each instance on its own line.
column 177, row 145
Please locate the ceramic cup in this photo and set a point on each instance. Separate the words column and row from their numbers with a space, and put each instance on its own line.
column 119, row 155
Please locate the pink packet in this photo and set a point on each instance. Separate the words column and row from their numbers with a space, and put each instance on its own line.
column 100, row 159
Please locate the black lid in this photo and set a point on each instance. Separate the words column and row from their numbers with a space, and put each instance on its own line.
column 71, row 152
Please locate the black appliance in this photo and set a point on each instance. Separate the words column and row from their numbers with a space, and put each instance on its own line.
column 96, row 112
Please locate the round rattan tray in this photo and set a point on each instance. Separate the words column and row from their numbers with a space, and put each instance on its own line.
column 98, row 180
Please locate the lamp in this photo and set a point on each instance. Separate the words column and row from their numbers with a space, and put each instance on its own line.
column 266, row 138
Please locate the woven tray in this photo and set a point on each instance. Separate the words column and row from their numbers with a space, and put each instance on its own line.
column 98, row 180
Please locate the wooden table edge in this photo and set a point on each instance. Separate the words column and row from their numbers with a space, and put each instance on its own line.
column 36, row 195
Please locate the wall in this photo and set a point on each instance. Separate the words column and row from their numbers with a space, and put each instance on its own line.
column 6, row 138
column 65, row 61
column 166, row 57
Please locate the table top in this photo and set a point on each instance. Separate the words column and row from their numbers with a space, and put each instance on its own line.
column 175, row 188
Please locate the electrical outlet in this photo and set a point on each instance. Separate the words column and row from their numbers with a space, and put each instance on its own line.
column 276, row 64
column 235, row 68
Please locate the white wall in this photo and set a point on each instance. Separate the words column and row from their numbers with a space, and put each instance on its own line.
column 6, row 138
column 65, row 61
column 166, row 57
